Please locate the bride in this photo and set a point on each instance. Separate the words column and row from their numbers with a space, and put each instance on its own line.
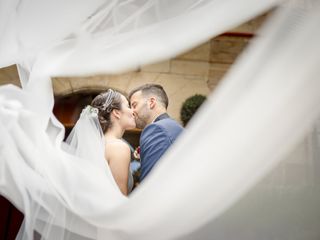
column 112, row 115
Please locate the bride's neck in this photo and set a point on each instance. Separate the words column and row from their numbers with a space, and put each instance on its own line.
column 114, row 132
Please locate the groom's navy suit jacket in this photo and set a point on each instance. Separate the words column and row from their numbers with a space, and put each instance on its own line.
column 155, row 139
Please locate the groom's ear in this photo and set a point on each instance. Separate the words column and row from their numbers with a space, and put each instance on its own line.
column 153, row 102
column 116, row 113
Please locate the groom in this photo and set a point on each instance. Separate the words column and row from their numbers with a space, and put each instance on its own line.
column 149, row 103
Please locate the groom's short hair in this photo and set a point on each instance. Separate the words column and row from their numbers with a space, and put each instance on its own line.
column 152, row 89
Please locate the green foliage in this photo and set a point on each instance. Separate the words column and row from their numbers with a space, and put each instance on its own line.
column 190, row 107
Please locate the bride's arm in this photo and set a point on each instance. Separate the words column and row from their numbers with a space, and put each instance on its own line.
column 118, row 158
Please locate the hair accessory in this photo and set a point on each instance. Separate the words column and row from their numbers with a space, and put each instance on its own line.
column 89, row 111
column 110, row 97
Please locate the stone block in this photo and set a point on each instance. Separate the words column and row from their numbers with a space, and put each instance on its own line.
column 139, row 78
column 94, row 83
column 61, row 86
column 157, row 67
column 185, row 67
column 201, row 53
column 9, row 75
column 251, row 26
column 225, row 49
column 118, row 82
column 216, row 73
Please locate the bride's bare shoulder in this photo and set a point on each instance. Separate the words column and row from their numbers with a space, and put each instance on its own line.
column 117, row 151
column 116, row 145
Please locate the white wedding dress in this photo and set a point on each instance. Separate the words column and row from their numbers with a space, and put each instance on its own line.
column 238, row 180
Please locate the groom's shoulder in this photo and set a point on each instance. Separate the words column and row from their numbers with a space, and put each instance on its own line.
column 168, row 122
column 167, row 125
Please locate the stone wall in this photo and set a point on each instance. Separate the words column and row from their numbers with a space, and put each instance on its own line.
column 9, row 75
column 197, row 71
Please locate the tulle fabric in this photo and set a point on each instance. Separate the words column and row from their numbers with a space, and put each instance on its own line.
column 223, row 178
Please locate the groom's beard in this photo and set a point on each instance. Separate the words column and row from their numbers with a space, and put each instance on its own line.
column 140, row 122
column 142, row 116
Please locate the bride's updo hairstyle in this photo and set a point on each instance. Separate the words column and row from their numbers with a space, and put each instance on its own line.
column 105, row 102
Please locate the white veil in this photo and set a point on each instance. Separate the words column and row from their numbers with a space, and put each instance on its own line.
column 230, row 175
column 47, row 191
column 86, row 129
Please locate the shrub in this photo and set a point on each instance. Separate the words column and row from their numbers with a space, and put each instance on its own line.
column 190, row 107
